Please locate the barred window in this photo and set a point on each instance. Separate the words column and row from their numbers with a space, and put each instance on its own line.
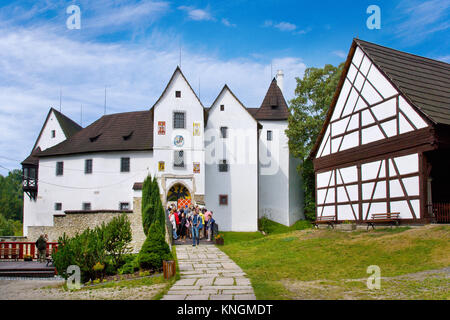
column 59, row 168
column 179, row 121
column 124, row 206
column 223, row 166
column 87, row 206
column 223, row 131
column 124, row 164
column 178, row 159
column 58, row 206
column 88, row 166
column 269, row 135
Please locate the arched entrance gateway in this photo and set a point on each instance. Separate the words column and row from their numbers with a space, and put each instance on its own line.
column 179, row 194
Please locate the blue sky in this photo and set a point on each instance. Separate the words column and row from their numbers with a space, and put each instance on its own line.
column 132, row 47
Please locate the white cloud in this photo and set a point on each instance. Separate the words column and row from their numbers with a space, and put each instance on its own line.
column 197, row 14
column 340, row 54
column 417, row 19
column 228, row 23
column 36, row 63
column 444, row 58
column 285, row 26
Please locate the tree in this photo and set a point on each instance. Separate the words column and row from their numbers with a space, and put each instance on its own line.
column 6, row 227
column 147, row 205
column 155, row 249
column 313, row 96
column 11, row 195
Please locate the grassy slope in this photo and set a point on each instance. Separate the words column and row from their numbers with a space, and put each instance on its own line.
column 284, row 260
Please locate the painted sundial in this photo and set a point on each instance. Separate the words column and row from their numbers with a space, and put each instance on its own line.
column 178, row 141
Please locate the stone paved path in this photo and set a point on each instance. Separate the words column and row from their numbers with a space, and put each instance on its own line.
column 209, row 274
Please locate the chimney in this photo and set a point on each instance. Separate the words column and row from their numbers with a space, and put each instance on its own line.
column 280, row 80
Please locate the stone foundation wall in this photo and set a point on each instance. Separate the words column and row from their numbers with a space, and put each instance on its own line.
column 72, row 224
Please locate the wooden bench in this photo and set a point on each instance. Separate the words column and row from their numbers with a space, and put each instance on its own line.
column 383, row 218
column 6, row 252
column 329, row 220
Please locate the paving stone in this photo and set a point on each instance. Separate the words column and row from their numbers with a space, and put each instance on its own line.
column 186, row 282
column 174, row 297
column 241, row 291
column 224, row 282
column 245, row 297
column 197, row 297
column 204, row 281
column 221, row 297
column 227, row 287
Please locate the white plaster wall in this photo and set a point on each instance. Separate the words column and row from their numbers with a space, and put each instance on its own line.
column 105, row 188
column 45, row 140
column 240, row 183
column 163, row 145
column 274, row 173
column 296, row 194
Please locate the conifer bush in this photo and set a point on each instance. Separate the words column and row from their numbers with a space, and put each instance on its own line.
column 155, row 249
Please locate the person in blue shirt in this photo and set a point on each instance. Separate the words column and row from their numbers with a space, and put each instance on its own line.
column 195, row 222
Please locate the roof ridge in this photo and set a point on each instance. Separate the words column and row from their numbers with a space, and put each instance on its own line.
column 402, row 52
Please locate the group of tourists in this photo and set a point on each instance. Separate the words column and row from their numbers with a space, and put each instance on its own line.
column 191, row 222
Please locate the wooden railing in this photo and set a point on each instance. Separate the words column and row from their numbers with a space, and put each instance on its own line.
column 441, row 212
column 26, row 248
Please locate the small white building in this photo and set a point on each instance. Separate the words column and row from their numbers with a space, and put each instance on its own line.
column 232, row 159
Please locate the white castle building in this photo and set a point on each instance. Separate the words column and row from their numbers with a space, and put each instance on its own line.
column 232, row 159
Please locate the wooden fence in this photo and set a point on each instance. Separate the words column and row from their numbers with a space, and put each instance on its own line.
column 441, row 212
column 25, row 248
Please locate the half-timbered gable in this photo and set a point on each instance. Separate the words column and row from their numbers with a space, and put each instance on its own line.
column 368, row 109
column 388, row 125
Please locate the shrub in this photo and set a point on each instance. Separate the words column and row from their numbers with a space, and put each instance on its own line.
column 105, row 245
column 117, row 236
column 155, row 249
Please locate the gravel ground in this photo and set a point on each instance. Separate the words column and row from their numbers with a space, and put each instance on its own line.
column 50, row 290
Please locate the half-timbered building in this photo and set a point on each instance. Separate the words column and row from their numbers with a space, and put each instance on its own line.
column 384, row 146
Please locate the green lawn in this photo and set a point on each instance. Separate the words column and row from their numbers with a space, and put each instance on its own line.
column 310, row 264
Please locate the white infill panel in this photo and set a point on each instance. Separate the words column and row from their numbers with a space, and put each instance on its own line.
column 330, row 196
column 345, row 213
column 350, row 103
column 408, row 164
column 349, row 174
column 380, row 190
column 377, row 207
column 390, row 127
column 416, row 207
column 359, row 81
column 403, row 208
column 395, row 189
column 323, row 179
column 371, row 134
column 357, row 57
column 385, row 110
column 412, row 186
column 365, row 66
column 369, row 170
column 329, row 211
column 335, row 143
column 367, row 190
column 404, row 125
column 341, row 100
column 338, row 127
column 367, row 118
column 350, row 141
column 370, row 94
column 411, row 114
column 351, row 73
column 321, row 196
column 353, row 192
column 381, row 83
column 342, row 195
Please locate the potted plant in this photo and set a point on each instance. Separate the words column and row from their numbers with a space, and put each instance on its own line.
column 348, row 226
column 27, row 257
column 219, row 240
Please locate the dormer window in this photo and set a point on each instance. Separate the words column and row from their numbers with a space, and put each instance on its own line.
column 53, row 133
column 128, row 136
column 93, row 139
column 177, row 94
